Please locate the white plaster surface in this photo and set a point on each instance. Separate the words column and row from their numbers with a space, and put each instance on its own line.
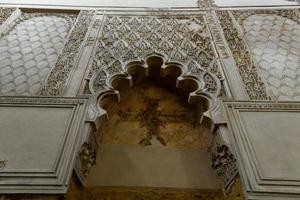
column 275, row 44
column 28, row 52
column 274, row 141
column 28, row 146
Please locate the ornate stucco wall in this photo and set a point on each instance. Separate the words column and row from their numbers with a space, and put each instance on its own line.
column 224, row 80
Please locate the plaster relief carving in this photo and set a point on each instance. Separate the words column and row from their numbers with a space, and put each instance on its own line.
column 87, row 157
column 223, row 161
column 67, row 59
column 275, row 45
column 5, row 14
column 2, row 164
column 208, row 82
column 254, row 85
column 179, row 39
column 29, row 48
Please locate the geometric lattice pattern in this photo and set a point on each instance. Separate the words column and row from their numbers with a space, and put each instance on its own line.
column 275, row 45
column 183, row 39
column 28, row 52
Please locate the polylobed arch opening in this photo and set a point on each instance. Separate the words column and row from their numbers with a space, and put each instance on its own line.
column 157, row 80
column 152, row 128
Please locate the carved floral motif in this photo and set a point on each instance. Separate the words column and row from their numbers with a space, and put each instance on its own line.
column 254, row 85
column 87, row 158
column 224, row 163
column 67, row 59
column 180, row 39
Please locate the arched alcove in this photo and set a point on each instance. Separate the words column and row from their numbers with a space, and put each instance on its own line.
column 154, row 130
column 29, row 48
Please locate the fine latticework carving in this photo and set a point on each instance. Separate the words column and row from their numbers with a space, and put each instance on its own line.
column 254, row 85
column 67, row 59
column 179, row 39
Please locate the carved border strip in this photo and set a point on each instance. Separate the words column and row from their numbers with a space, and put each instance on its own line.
column 217, row 35
column 67, row 59
column 254, row 85
column 5, row 13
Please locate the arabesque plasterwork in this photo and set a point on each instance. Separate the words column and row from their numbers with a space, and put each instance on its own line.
column 179, row 39
column 66, row 62
column 253, row 83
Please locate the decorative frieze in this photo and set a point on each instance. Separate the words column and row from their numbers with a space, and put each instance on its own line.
column 67, row 59
column 218, row 37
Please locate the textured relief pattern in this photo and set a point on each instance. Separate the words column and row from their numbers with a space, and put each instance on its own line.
column 292, row 14
column 206, row 4
column 67, row 59
column 5, row 13
column 28, row 52
column 275, row 44
column 253, row 83
column 185, row 40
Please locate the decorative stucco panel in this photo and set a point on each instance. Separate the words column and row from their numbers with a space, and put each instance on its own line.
column 29, row 51
column 253, row 83
column 275, row 45
column 180, row 39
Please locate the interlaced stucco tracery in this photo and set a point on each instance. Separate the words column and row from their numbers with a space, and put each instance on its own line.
column 67, row 59
column 254, row 85
column 179, row 39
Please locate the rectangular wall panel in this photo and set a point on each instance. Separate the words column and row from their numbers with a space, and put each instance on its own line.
column 266, row 137
column 39, row 142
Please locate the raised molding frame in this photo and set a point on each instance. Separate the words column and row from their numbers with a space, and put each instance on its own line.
column 257, row 184
column 55, row 181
